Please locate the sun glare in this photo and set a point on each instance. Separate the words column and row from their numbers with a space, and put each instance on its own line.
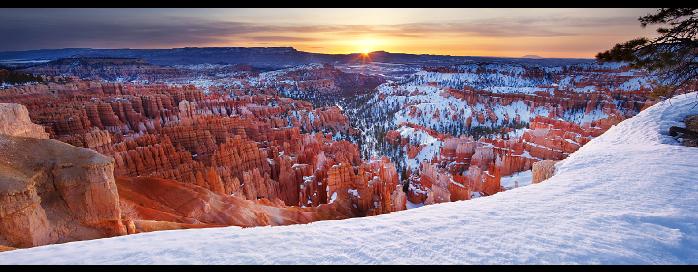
column 366, row 45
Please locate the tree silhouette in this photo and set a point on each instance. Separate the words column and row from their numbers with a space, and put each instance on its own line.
column 672, row 56
column 14, row 77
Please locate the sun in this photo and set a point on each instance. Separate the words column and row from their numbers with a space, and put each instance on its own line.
column 366, row 45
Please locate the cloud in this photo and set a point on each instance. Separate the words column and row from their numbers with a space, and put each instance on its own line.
column 112, row 30
column 281, row 39
column 510, row 27
column 22, row 30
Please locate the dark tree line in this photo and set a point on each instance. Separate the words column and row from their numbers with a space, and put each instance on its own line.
column 14, row 77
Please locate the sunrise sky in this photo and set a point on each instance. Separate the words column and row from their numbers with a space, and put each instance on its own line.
column 569, row 33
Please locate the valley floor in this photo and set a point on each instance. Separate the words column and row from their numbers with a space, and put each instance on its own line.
column 627, row 197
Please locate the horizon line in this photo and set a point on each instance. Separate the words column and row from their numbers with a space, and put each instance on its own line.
column 291, row 47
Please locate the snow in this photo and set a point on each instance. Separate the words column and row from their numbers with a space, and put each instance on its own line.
column 296, row 165
column 430, row 145
column 517, row 133
column 410, row 205
column 516, row 180
column 416, row 189
column 626, row 197
column 427, row 100
column 511, row 77
column 333, row 197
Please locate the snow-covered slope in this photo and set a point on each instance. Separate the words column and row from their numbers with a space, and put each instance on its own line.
column 628, row 196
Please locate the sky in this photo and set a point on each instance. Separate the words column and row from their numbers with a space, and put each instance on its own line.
column 564, row 33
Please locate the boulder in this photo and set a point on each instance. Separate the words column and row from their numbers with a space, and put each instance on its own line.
column 14, row 121
column 543, row 170
column 692, row 123
column 52, row 192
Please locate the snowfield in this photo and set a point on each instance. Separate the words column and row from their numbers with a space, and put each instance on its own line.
column 429, row 100
column 517, row 180
column 627, row 197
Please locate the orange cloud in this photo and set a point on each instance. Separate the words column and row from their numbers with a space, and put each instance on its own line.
column 515, row 33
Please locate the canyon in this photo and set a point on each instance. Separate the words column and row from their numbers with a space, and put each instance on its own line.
column 111, row 146
column 616, row 198
column 204, row 163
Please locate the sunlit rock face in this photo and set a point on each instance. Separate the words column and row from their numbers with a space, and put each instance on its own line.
column 245, row 161
column 52, row 192
column 60, row 193
column 543, row 170
column 14, row 121
column 371, row 188
column 159, row 204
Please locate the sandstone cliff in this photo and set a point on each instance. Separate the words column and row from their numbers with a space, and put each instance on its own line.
column 14, row 121
column 52, row 192
column 158, row 204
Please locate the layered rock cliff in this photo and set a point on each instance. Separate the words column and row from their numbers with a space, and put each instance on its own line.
column 52, row 192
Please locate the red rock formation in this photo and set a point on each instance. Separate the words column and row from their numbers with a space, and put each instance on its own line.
column 368, row 188
column 543, row 170
column 14, row 121
column 167, row 201
column 492, row 183
column 437, row 181
column 55, row 193
column 212, row 151
column 199, row 198
column 459, row 189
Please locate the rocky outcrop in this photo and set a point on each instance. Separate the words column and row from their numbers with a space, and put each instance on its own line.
column 543, row 170
column 52, row 192
column 208, row 141
column 688, row 135
column 691, row 122
column 14, row 121
column 58, row 193
column 159, row 204
column 368, row 188
column 260, row 148
column 438, row 183
column 6, row 248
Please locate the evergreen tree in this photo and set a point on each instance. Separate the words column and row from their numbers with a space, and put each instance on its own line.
column 673, row 55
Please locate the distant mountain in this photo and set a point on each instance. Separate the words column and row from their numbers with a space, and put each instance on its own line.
column 260, row 57
column 532, row 57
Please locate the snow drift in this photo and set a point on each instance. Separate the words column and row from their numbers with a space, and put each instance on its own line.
column 627, row 197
